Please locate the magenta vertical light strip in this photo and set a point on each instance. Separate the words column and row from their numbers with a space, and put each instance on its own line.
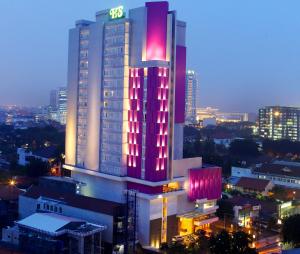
column 205, row 183
column 144, row 188
column 135, row 122
column 180, row 84
column 157, row 124
column 157, row 13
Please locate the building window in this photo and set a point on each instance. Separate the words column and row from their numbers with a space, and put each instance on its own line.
column 38, row 206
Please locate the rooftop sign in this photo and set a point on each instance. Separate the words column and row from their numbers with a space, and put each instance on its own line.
column 117, row 12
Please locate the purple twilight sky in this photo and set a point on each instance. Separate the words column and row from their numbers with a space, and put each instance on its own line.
column 247, row 53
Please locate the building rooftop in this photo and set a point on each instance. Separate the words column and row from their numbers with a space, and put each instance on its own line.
column 9, row 192
column 278, row 169
column 55, row 224
column 252, row 183
column 47, row 222
column 268, row 208
column 60, row 179
column 75, row 200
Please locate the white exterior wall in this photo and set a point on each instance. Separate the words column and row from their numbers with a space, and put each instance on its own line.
column 151, row 209
column 137, row 36
column 181, row 167
column 27, row 206
column 101, row 188
column 71, row 125
column 144, row 221
column 184, row 205
column 94, row 91
column 114, row 109
column 92, row 217
column 178, row 141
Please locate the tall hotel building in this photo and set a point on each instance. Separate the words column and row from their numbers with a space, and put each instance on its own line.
column 276, row 122
column 126, row 112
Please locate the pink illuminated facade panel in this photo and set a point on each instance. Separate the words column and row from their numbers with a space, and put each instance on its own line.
column 144, row 188
column 135, row 122
column 205, row 183
column 180, row 84
column 156, row 156
column 157, row 13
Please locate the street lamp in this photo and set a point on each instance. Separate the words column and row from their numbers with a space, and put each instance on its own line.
column 12, row 182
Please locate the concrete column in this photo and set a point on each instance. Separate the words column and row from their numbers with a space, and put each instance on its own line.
column 100, row 241
column 81, row 245
column 93, row 243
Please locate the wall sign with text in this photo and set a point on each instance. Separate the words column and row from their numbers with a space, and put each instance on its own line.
column 117, row 13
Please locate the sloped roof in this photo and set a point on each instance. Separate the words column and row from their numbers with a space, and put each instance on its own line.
column 279, row 169
column 252, row 183
column 47, row 222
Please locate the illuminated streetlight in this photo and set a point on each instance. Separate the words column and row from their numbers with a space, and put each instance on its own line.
column 12, row 182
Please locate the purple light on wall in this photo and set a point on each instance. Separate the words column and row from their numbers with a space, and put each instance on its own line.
column 135, row 122
column 205, row 183
column 144, row 188
column 156, row 124
column 180, row 84
column 157, row 13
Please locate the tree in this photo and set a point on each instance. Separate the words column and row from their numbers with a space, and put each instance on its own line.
column 202, row 242
column 244, row 148
column 225, row 208
column 290, row 230
column 240, row 243
column 281, row 147
column 237, row 243
column 221, row 243
column 177, row 248
column 37, row 168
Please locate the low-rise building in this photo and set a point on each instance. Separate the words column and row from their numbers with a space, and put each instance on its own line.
column 280, row 172
column 102, row 212
column 55, row 233
column 45, row 154
column 255, row 186
column 247, row 210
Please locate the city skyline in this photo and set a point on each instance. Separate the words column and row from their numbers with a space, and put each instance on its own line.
column 122, row 158
column 239, row 53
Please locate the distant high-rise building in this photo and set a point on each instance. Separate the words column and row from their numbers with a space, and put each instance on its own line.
column 276, row 122
column 62, row 105
column 58, row 105
column 192, row 96
column 53, row 99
